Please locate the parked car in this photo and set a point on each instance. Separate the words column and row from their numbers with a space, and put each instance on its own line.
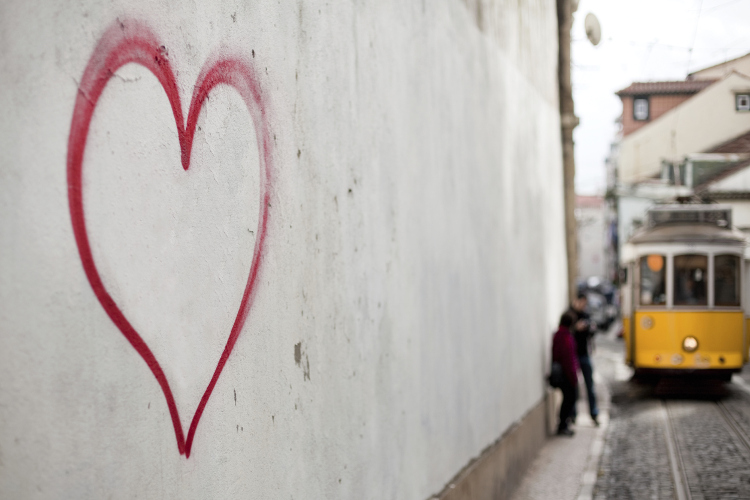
column 602, row 301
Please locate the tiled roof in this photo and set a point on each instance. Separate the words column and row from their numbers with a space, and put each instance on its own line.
column 740, row 144
column 726, row 195
column 722, row 173
column 679, row 87
column 583, row 201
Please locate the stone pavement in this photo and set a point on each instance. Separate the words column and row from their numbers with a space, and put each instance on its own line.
column 566, row 468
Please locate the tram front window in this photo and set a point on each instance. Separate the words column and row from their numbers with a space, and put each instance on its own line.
column 653, row 274
column 727, row 280
column 690, row 277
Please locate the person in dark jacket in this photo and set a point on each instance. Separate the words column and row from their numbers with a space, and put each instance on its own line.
column 564, row 353
column 583, row 331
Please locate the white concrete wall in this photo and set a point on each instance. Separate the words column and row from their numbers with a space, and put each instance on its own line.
column 706, row 120
column 738, row 181
column 740, row 213
column 740, row 65
column 629, row 208
column 411, row 271
column 591, row 232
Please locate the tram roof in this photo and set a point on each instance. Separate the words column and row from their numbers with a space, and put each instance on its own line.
column 689, row 233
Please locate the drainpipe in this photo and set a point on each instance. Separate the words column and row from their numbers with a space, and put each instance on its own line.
column 568, row 121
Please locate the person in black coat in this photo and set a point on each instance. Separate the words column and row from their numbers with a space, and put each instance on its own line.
column 583, row 331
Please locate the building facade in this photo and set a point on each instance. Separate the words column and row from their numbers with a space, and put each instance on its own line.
column 682, row 140
column 591, row 220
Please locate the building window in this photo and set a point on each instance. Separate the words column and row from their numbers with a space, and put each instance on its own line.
column 640, row 108
column 742, row 102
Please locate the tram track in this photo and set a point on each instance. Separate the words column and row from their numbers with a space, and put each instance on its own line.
column 679, row 476
column 734, row 425
column 677, row 438
column 681, row 483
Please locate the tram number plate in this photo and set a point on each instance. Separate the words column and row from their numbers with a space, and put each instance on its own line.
column 702, row 361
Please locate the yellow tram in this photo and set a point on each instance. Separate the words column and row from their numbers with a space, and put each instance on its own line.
column 683, row 308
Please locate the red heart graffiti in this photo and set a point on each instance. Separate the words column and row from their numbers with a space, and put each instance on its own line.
column 133, row 42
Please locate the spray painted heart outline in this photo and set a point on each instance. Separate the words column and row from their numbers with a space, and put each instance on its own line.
column 133, row 42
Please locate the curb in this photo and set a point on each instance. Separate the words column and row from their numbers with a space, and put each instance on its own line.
column 590, row 474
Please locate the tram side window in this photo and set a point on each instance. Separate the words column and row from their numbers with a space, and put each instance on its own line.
column 727, row 280
column 653, row 280
column 690, row 277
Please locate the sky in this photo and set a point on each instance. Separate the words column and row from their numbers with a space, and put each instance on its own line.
column 642, row 40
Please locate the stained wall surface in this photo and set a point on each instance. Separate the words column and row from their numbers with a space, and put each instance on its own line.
column 348, row 256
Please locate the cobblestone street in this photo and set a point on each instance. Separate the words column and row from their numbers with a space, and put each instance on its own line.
column 669, row 439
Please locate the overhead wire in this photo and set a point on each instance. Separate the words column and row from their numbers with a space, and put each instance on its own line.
column 722, row 5
column 666, row 45
column 704, row 51
column 676, row 121
column 695, row 34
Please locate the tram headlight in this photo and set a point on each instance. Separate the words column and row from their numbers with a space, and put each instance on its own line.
column 690, row 344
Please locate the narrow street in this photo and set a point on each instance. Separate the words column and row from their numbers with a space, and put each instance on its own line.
column 672, row 439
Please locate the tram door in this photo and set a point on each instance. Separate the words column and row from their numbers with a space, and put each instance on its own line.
column 746, row 309
column 627, row 298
